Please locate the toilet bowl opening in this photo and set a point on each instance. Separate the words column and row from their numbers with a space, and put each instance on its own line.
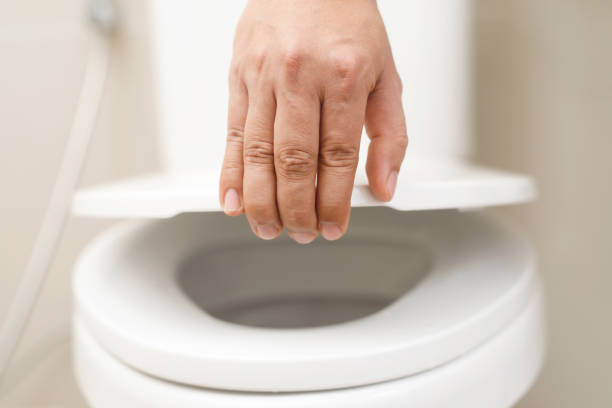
column 284, row 285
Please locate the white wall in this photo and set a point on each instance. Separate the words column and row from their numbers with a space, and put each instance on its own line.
column 543, row 104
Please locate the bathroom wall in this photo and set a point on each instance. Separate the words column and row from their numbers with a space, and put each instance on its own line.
column 43, row 50
column 543, row 106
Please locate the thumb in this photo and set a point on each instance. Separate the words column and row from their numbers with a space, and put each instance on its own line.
column 386, row 127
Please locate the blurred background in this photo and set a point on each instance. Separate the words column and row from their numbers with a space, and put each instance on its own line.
column 543, row 106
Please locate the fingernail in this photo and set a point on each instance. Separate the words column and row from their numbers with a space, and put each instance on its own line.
column 330, row 231
column 391, row 184
column 231, row 202
column 303, row 237
column 267, row 231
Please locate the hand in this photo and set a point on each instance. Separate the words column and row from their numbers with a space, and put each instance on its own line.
column 306, row 76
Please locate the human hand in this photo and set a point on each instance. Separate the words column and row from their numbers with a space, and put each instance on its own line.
column 306, row 76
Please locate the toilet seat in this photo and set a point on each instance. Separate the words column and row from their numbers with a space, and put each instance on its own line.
column 426, row 184
column 495, row 374
column 128, row 297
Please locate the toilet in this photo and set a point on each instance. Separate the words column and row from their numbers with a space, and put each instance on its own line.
column 426, row 302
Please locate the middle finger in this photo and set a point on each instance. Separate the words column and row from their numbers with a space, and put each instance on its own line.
column 296, row 144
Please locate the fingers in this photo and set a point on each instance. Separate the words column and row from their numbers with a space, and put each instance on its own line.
column 281, row 140
column 259, row 175
column 341, row 125
column 386, row 127
column 296, row 134
column 230, row 186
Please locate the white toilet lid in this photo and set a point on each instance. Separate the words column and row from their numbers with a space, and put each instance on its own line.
column 424, row 184
column 129, row 298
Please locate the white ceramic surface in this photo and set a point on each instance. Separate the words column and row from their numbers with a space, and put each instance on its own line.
column 425, row 185
column 444, row 283
column 494, row 375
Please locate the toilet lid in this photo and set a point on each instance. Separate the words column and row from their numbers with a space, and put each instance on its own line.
column 424, row 184
column 128, row 294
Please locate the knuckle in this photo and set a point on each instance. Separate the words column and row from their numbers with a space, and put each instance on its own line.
column 399, row 84
column 257, row 59
column 259, row 153
column 292, row 62
column 235, row 136
column 338, row 156
column 295, row 163
column 402, row 141
column 231, row 169
column 348, row 66
column 234, row 72
column 395, row 82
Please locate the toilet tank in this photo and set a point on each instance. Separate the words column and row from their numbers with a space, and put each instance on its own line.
column 192, row 44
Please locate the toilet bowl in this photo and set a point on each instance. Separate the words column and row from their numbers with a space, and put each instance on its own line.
column 435, row 308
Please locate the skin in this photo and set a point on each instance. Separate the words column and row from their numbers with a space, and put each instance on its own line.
column 306, row 76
